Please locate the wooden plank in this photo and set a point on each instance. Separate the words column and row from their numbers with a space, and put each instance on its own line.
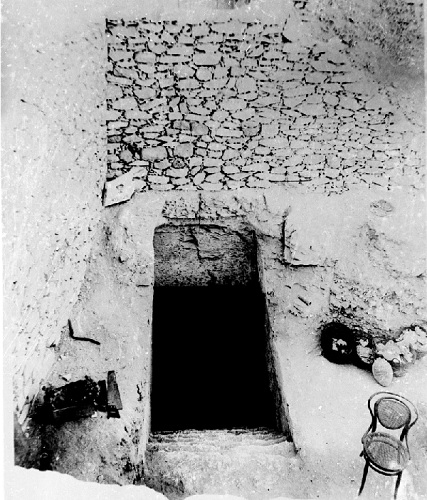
column 113, row 395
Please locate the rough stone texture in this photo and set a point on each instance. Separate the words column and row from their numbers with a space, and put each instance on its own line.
column 296, row 98
column 303, row 292
column 296, row 112
column 249, row 463
column 201, row 254
column 53, row 167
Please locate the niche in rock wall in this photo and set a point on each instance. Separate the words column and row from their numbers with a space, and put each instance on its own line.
column 210, row 368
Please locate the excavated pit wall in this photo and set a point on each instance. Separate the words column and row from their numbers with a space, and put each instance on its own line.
column 313, row 253
column 115, row 287
column 53, row 173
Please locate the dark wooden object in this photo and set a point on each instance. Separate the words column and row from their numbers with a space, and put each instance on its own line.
column 72, row 401
column 114, row 402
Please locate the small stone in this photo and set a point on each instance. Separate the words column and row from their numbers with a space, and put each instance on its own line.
column 277, row 142
column 205, row 59
column 207, row 186
column 125, row 103
column 245, row 114
column 177, row 172
column 145, row 57
column 152, row 154
column 144, row 93
column 270, row 130
column 112, row 115
column 323, row 66
column 214, row 178
column 184, row 150
column 119, row 190
column 199, row 178
column 230, row 154
column 382, row 372
column 312, row 109
column 156, row 48
column 246, row 84
column 228, row 132
column 203, row 74
column 184, row 71
column 157, row 179
column 200, row 30
column 212, row 162
column 250, row 128
column 199, row 129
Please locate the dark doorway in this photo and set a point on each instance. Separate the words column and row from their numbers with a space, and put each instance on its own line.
column 209, row 359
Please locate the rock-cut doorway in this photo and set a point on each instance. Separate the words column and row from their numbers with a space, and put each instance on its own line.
column 209, row 365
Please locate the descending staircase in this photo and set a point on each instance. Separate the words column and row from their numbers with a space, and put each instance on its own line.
column 251, row 463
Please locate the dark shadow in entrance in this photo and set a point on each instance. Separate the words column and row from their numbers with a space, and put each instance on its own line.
column 209, row 359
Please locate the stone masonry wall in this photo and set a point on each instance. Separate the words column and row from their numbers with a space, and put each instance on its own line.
column 53, row 172
column 230, row 104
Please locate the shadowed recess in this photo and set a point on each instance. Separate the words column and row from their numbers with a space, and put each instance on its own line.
column 209, row 365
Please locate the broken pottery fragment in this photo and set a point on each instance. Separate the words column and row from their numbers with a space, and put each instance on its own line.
column 382, row 372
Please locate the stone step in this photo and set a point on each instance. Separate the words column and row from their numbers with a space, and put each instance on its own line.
column 252, row 463
column 218, row 439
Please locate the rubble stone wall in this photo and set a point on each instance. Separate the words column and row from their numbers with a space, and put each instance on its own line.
column 229, row 104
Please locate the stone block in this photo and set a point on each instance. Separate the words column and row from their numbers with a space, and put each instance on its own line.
column 315, row 77
column 270, row 130
column 230, row 154
column 199, row 178
column 212, row 162
column 144, row 92
column 184, row 150
column 275, row 143
column 230, row 169
column 119, row 55
column 112, row 115
column 177, row 172
column 204, row 74
column 233, row 104
column 228, row 132
column 157, row 179
column 126, row 103
column 157, row 48
column 214, row 178
column 199, row 129
column 207, row 186
column 200, row 30
column 256, row 167
column 184, row 71
column 246, row 84
column 153, row 154
column 119, row 190
column 245, row 114
column 312, row 109
column 205, row 59
column 145, row 57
